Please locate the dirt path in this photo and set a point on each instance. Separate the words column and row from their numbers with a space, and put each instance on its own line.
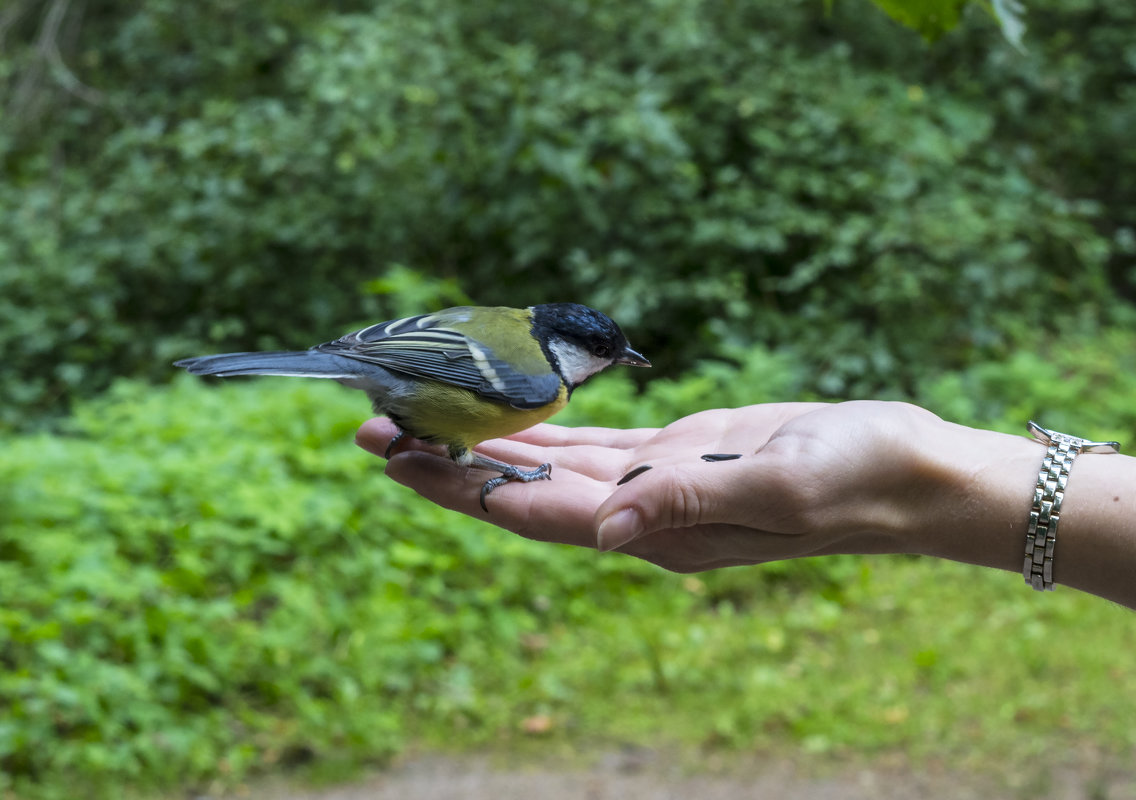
column 646, row 775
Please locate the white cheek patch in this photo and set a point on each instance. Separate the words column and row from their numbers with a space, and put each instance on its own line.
column 576, row 364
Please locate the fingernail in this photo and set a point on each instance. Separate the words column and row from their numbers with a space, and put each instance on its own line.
column 618, row 529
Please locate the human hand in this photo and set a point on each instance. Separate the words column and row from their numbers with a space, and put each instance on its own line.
column 813, row 479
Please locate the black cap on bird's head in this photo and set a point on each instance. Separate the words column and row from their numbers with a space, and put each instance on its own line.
column 581, row 341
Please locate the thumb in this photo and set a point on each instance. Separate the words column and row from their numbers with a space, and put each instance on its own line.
column 677, row 496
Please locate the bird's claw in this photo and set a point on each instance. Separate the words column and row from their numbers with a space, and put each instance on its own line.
column 541, row 473
column 393, row 442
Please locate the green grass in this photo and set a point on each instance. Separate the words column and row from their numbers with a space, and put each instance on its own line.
column 202, row 584
column 943, row 662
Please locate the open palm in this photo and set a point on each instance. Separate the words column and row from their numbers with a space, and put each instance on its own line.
column 782, row 499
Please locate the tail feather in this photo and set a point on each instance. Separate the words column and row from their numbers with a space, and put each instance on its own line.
column 301, row 364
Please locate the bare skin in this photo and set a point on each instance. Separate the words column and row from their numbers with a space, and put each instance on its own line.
column 812, row 479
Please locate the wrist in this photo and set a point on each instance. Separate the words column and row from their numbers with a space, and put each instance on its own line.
column 979, row 488
column 1094, row 542
column 980, row 491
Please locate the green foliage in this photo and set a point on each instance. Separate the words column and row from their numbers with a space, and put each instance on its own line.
column 169, row 610
column 1077, row 383
column 197, row 584
column 932, row 18
column 712, row 174
column 201, row 583
column 1066, row 105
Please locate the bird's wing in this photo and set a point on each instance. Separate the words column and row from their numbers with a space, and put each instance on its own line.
column 426, row 347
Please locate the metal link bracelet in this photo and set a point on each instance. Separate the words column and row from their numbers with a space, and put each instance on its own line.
column 1041, row 537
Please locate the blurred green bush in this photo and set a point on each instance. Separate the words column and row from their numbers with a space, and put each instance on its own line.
column 777, row 203
column 712, row 174
column 200, row 582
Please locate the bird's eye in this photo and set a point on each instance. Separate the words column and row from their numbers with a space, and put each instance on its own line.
column 601, row 351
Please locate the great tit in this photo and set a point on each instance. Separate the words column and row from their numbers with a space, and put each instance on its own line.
column 459, row 376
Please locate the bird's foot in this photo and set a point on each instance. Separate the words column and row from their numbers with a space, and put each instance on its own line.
column 511, row 473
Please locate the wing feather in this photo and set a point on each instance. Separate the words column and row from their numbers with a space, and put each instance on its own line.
column 424, row 347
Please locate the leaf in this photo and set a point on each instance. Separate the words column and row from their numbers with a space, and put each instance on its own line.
column 931, row 18
column 1009, row 15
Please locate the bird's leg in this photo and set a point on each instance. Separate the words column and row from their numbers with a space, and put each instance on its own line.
column 393, row 442
column 508, row 473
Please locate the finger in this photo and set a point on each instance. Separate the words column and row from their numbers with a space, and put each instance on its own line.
column 597, row 463
column 547, row 435
column 714, row 546
column 375, row 435
column 708, row 547
column 556, row 510
column 681, row 496
column 600, row 463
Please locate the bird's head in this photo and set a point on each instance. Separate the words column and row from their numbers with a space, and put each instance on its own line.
column 580, row 341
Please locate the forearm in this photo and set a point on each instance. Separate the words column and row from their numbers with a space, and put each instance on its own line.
column 982, row 515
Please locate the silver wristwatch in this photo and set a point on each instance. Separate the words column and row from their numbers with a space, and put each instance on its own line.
column 1041, row 536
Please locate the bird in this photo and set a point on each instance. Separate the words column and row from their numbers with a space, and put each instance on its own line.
column 458, row 376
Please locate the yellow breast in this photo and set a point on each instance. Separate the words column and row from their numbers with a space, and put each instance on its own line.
column 453, row 416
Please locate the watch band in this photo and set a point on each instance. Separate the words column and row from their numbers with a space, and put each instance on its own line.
column 1041, row 536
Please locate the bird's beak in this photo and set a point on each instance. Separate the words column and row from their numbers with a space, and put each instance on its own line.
column 632, row 359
